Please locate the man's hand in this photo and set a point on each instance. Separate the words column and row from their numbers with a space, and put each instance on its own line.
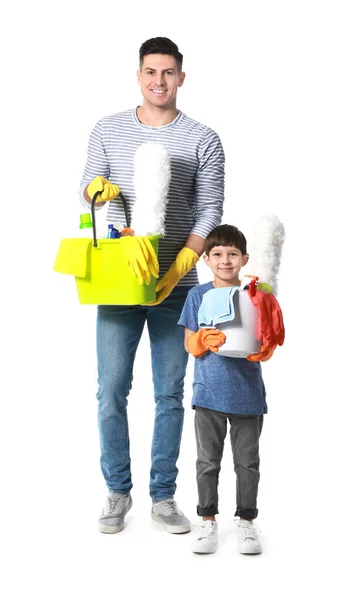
column 185, row 260
column 108, row 190
column 203, row 340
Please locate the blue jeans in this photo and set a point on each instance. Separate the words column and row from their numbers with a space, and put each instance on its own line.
column 119, row 329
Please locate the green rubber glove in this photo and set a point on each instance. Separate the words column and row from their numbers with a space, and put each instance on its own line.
column 185, row 260
column 108, row 190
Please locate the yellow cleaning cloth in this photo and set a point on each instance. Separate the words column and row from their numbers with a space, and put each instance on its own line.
column 72, row 256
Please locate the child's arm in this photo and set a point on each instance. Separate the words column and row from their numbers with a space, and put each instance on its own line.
column 199, row 342
column 188, row 333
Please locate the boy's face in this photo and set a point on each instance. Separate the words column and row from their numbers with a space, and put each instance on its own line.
column 225, row 263
column 159, row 79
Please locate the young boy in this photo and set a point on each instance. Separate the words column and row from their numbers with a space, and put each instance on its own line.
column 224, row 389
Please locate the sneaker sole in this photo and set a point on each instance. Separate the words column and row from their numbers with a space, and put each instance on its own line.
column 110, row 528
column 114, row 528
column 250, row 553
column 171, row 528
column 211, row 551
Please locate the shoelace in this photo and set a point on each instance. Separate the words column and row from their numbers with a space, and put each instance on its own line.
column 111, row 504
column 249, row 530
column 206, row 530
column 172, row 507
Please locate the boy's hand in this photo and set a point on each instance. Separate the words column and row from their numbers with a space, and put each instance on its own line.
column 270, row 329
column 265, row 354
column 203, row 340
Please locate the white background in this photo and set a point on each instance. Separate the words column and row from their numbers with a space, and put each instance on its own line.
column 275, row 79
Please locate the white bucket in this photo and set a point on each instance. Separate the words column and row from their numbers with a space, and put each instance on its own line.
column 241, row 331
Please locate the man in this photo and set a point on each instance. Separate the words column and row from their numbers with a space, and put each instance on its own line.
column 195, row 204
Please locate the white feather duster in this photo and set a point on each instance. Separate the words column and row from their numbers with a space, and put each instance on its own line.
column 266, row 249
column 151, row 182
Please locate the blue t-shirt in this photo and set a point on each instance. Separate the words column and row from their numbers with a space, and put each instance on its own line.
column 229, row 385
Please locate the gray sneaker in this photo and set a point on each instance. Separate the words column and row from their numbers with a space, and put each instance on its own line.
column 168, row 514
column 113, row 513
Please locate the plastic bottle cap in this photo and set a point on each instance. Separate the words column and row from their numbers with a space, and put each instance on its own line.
column 85, row 220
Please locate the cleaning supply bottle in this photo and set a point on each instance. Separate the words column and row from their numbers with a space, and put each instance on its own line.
column 85, row 222
column 113, row 233
column 85, row 226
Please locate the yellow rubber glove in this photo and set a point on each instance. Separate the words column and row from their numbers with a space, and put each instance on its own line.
column 141, row 257
column 185, row 260
column 108, row 190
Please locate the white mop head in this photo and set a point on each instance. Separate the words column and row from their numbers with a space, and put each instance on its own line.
column 266, row 249
column 151, row 182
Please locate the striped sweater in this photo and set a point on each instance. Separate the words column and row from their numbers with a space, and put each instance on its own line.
column 196, row 191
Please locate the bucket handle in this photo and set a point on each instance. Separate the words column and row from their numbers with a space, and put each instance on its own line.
column 125, row 208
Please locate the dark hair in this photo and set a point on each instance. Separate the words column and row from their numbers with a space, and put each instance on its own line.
column 226, row 235
column 160, row 45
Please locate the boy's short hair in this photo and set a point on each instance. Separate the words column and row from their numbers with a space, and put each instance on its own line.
column 160, row 45
column 226, row 235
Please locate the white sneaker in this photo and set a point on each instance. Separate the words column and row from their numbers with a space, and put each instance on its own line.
column 113, row 513
column 167, row 513
column 248, row 538
column 207, row 540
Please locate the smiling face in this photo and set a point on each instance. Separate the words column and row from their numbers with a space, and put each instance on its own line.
column 159, row 80
column 225, row 263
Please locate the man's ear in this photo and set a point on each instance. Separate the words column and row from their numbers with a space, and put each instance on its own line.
column 139, row 76
column 205, row 258
column 245, row 259
column 181, row 78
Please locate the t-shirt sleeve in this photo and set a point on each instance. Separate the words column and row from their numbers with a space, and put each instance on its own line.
column 188, row 317
column 96, row 162
column 209, row 185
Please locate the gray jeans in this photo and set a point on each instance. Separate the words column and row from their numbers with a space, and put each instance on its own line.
column 211, row 430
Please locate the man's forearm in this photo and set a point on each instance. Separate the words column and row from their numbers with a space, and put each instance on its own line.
column 195, row 243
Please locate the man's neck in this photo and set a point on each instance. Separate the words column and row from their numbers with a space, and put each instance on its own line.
column 156, row 117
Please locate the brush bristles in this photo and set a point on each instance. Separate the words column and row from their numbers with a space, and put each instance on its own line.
column 151, row 180
column 266, row 249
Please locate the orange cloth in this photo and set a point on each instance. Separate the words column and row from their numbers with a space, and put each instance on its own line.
column 270, row 329
column 203, row 340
